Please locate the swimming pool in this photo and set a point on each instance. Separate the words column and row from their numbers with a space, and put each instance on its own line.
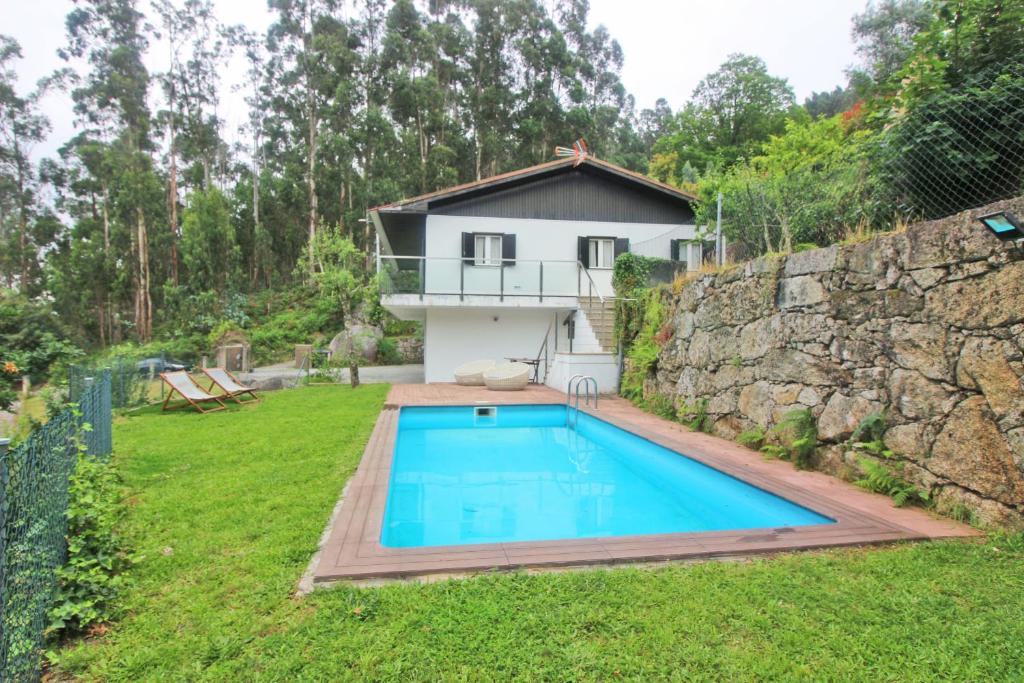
column 518, row 473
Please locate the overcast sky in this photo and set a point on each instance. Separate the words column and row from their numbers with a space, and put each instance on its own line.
column 669, row 45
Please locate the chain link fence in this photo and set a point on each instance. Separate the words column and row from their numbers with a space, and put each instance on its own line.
column 34, row 482
column 955, row 149
column 129, row 386
column 926, row 154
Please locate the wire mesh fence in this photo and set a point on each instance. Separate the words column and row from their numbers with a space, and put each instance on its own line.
column 34, row 482
column 932, row 151
column 956, row 149
column 129, row 386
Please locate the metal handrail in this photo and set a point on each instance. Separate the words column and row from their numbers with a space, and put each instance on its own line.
column 385, row 257
column 544, row 350
column 576, row 381
column 592, row 286
column 390, row 262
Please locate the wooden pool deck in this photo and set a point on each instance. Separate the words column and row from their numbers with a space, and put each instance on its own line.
column 352, row 548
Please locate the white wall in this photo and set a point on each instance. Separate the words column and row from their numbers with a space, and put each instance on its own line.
column 453, row 336
column 536, row 240
column 603, row 367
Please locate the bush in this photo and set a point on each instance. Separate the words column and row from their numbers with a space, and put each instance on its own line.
column 388, row 353
column 32, row 337
column 9, row 376
column 91, row 581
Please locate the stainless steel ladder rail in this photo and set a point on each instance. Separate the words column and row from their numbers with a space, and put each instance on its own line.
column 572, row 396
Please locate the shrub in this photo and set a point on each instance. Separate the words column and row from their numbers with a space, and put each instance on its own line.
column 630, row 272
column 388, row 353
column 9, row 375
column 91, row 580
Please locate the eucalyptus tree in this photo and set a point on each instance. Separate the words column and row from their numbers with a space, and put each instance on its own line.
column 542, row 73
column 884, row 34
column 111, row 36
column 22, row 218
column 490, row 97
column 298, row 100
column 197, row 49
column 425, row 69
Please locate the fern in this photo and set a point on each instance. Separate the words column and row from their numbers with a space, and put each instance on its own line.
column 798, row 434
column 696, row 416
column 889, row 481
column 871, row 428
column 775, row 451
column 752, row 438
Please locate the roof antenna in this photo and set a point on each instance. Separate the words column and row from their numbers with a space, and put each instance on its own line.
column 578, row 150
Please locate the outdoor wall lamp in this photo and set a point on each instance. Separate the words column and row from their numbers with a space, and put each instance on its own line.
column 1003, row 225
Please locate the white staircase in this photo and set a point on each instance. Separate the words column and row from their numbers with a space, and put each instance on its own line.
column 595, row 326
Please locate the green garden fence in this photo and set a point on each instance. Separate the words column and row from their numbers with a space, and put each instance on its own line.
column 128, row 387
column 34, row 478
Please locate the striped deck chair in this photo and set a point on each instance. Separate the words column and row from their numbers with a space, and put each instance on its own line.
column 230, row 385
column 181, row 383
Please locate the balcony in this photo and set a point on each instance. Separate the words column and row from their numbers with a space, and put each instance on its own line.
column 412, row 281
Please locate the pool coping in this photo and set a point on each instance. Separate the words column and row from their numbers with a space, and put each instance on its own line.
column 352, row 549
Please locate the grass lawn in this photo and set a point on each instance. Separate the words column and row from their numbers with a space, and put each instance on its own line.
column 227, row 509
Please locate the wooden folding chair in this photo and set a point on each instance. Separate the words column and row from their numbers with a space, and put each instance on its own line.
column 230, row 385
column 180, row 382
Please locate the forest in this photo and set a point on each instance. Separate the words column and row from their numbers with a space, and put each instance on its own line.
column 148, row 231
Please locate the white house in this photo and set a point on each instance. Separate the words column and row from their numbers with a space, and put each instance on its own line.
column 520, row 265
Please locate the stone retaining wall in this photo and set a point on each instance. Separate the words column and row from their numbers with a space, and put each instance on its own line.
column 927, row 323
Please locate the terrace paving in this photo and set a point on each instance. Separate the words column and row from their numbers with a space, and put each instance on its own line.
column 352, row 548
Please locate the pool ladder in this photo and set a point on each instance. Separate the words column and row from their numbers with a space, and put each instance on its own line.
column 572, row 396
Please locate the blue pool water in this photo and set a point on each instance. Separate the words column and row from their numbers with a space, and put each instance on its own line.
column 522, row 475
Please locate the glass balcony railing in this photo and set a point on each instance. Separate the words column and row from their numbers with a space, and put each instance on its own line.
column 423, row 275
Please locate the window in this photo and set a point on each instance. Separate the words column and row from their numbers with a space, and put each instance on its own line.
column 602, row 253
column 487, row 250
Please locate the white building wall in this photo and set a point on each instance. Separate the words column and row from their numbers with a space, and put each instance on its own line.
column 603, row 367
column 453, row 336
column 536, row 240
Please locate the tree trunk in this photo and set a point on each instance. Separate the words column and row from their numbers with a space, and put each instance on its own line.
column 22, row 220
column 312, row 137
column 143, row 300
column 172, row 203
column 353, row 375
column 256, row 256
column 311, row 184
column 101, row 323
column 106, row 219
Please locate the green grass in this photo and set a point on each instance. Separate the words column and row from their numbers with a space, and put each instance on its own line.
column 228, row 507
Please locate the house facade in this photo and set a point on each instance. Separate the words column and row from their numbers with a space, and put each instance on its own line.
column 520, row 265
